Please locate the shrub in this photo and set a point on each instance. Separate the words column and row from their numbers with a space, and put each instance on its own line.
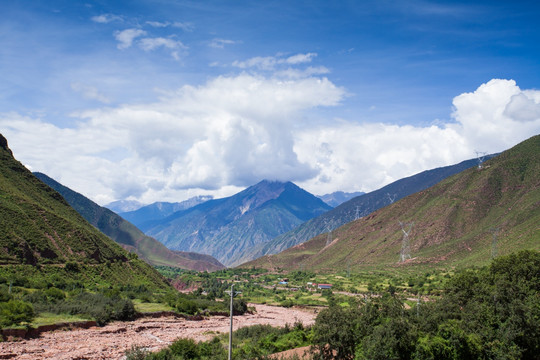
column 239, row 307
column 186, row 306
column 15, row 312
column 97, row 306
column 212, row 349
column 136, row 353
column 185, row 348
column 287, row 303
column 72, row 267
column 37, row 298
column 54, row 294
column 4, row 293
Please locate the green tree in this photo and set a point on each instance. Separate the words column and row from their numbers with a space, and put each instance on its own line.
column 185, row 348
column 15, row 312
column 336, row 332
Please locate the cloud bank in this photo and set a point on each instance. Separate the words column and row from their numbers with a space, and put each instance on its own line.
column 236, row 130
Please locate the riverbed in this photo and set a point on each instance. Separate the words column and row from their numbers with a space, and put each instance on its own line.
column 112, row 340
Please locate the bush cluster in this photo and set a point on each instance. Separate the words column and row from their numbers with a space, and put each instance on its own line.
column 15, row 312
column 252, row 342
column 192, row 304
column 182, row 349
column 488, row 313
column 102, row 307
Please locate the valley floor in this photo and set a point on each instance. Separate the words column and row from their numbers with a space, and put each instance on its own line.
column 111, row 341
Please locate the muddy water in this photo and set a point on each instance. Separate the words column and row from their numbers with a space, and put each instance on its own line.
column 111, row 341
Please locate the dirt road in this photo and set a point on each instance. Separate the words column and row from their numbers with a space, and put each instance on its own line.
column 111, row 341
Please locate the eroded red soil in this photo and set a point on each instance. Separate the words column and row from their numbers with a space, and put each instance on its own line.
column 111, row 341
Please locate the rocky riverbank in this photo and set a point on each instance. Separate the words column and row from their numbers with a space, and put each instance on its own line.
column 111, row 341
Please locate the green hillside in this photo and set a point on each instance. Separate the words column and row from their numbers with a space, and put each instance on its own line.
column 40, row 233
column 359, row 206
column 464, row 220
column 128, row 235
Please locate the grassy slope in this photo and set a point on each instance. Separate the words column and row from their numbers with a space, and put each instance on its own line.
column 129, row 236
column 361, row 205
column 40, row 233
column 453, row 222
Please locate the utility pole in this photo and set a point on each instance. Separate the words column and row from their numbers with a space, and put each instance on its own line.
column 329, row 225
column 232, row 293
column 480, row 155
column 405, row 245
column 357, row 213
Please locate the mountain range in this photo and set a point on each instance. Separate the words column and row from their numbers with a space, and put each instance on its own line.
column 120, row 206
column 226, row 228
column 148, row 216
column 358, row 207
column 466, row 219
column 129, row 236
column 40, row 234
column 339, row 197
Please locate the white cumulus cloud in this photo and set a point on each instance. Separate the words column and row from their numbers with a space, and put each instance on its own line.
column 106, row 18
column 366, row 156
column 148, row 44
column 270, row 62
column 233, row 131
column 186, row 26
column 126, row 37
column 220, row 43
column 300, row 58
column 158, row 24
column 221, row 136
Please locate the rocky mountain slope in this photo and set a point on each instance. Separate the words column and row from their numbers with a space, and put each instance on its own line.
column 41, row 234
column 463, row 220
column 129, row 236
column 358, row 207
column 227, row 228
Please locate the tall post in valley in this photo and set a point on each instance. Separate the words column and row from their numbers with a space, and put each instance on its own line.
column 232, row 293
column 405, row 244
column 231, row 330
column 480, row 156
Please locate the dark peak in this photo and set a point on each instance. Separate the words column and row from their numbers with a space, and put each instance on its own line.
column 267, row 185
column 258, row 194
column 4, row 144
column 267, row 182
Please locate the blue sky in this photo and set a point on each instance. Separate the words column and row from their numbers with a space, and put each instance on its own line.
column 163, row 100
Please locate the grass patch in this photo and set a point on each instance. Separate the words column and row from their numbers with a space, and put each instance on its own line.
column 47, row 318
column 144, row 307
